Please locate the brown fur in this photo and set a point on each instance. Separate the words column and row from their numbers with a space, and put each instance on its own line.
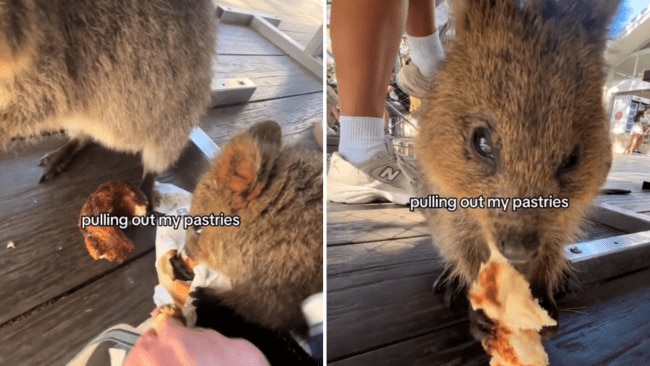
column 533, row 75
column 275, row 257
column 132, row 75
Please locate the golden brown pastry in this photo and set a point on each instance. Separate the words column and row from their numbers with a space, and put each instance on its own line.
column 118, row 200
column 504, row 296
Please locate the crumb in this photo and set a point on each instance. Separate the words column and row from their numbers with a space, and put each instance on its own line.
column 11, row 245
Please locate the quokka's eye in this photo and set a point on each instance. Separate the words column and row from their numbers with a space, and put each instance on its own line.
column 570, row 163
column 482, row 143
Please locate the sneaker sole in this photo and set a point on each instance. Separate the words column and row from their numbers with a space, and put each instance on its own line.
column 418, row 93
column 354, row 195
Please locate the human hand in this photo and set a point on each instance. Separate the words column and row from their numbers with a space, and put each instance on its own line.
column 169, row 342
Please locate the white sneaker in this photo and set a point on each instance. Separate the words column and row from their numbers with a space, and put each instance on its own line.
column 413, row 83
column 383, row 177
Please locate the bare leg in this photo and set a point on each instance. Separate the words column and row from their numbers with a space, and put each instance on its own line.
column 637, row 142
column 420, row 19
column 365, row 40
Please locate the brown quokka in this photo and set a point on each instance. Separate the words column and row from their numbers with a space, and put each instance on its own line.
column 131, row 75
column 274, row 258
column 516, row 112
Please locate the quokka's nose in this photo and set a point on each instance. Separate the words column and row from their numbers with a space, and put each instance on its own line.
column 519, row 247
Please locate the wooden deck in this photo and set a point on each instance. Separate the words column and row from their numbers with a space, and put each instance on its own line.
column 55, row 298
column 381, row 310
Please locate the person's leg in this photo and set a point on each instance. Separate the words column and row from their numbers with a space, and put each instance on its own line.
column 420, row 20
column 630, row 146
column 365, row 39
column 637, row 142
column 426, row 49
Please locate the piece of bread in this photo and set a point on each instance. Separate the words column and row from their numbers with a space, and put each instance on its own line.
column 118, row 199
column 504, row 296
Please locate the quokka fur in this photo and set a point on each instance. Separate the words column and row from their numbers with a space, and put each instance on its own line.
column 275, row 257
column 131, row 75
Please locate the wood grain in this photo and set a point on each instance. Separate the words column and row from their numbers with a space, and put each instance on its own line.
column 53, row 334
column 300, row 19
column 610, row 324
column 41, row 219
column 356, row 226
column 454, row 348
column 234, row 39
column 294, row 114
column 274, row 76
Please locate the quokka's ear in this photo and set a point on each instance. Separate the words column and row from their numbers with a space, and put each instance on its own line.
column 474, row 15
column 243, row 166
column 594, row 15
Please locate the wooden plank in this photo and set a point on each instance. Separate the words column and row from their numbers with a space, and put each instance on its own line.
column 452, row 346
column 356, row 226
column 384, row 285
column 274, row 76
column 230, row 91
column 315, row 45
column 297, row 116
column 52, row 335
column 49, row 257
column 613, row 328
column 383, row 305
column 338, row 207
column 365, row 223
column 595, row 230
column 299, row 18
column 395, row 309
column 231, row 15
column 236, row 39
column 288, row 45
column 350, row 266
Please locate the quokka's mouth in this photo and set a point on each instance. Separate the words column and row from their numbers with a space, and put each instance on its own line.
column 514, row 262
column 522, row 266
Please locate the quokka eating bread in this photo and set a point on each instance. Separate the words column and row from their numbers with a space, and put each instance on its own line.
column 131, row 75
column 516, row 112
column 274, row 257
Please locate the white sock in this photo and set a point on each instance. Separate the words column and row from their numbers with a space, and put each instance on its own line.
column 426, row 53
column 361, row 138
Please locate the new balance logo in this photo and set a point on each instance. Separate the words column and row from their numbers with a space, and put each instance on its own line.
column 389, row 174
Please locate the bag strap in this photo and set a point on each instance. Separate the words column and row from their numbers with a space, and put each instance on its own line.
column 122, row 335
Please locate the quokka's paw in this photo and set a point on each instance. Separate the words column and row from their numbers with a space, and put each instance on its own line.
column 548, row 303
column 454, row 293
column 480, row 326
column 56, row 161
